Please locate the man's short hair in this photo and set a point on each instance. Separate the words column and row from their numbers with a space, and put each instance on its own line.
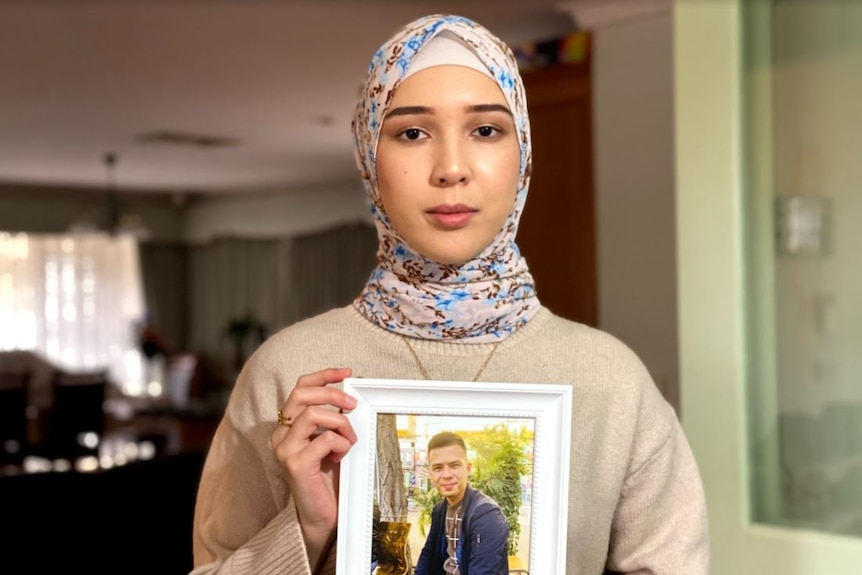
column 445, row 439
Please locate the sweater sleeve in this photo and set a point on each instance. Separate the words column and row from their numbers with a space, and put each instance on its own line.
column 245, row 520
column 238, row 528
column 660, row 525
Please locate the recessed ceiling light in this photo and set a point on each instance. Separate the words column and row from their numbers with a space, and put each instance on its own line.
column 177, row 138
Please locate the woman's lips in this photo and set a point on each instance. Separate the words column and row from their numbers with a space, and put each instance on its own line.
column 451, row 217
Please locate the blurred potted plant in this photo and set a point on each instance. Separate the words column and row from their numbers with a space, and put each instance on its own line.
column 240, row 329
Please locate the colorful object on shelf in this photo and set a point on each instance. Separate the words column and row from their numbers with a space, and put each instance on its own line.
column 570, row 49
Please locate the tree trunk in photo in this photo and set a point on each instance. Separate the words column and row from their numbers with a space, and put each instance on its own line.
column 394, row 554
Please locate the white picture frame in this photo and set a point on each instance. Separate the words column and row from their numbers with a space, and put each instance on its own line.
column 549, row 405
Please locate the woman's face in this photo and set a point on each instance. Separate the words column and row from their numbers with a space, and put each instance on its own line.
column 448, row 162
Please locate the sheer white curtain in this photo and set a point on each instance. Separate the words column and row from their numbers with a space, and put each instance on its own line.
column 75, row 299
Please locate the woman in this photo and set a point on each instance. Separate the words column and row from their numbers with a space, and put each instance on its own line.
column 443, row 146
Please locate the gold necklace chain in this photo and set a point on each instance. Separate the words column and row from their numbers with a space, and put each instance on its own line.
column 427, row 375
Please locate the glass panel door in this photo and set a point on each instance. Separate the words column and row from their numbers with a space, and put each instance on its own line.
column 768, row 124
column 804, row 163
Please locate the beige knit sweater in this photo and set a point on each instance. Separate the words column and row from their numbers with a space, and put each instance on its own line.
column 636, row 503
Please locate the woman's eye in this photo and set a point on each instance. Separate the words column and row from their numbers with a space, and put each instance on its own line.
column 486, row 131
column 412, row 134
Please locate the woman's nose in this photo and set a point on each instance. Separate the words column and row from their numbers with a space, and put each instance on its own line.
column 452, row 164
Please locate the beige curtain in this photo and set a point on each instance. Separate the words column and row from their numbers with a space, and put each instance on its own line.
column 272, row 281
column 234, row 279
column 329, row 268
column 164, row 267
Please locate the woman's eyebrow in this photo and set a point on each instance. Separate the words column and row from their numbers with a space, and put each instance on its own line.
column 408, row 111
column 490, row 108
column 416, row 110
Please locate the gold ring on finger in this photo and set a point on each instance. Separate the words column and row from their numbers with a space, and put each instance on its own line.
column 285, row 421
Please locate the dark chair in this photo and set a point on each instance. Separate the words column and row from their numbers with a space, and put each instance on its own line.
column 78, row 409
column 13, row 417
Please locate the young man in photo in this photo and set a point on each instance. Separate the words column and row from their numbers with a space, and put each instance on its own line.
column 469, row 534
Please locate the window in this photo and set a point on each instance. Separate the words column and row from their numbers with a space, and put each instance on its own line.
column 75, row 299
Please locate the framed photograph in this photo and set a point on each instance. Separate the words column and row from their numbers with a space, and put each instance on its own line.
column 531, row 421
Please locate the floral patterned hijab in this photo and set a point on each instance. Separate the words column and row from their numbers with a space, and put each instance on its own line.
column 487, row 298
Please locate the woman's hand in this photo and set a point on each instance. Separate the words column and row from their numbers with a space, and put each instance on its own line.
column 309, row 443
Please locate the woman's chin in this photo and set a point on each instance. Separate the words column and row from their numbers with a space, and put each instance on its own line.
column 450, row 255
column 449, row 259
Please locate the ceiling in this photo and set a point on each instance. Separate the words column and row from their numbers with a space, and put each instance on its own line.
column 206, row 96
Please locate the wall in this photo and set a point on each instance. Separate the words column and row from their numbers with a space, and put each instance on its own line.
column 38, row 210
column 193, row 220
column 634, row 150
column 276, row 214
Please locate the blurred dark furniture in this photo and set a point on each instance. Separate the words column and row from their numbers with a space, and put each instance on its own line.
column 131, row 519
column 78, row 409
column 53, row 413
column 58, row 404
column 13, row 417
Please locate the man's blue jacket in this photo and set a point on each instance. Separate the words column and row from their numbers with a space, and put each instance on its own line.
column 482, row 547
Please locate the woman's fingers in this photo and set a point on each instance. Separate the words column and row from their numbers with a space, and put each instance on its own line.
column 324, row 376
column 312, row 422
column 302, row 397
column 312, row 389
column 308, row 425
column 327, row 444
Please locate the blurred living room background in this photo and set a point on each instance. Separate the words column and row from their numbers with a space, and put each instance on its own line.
column 177, row 183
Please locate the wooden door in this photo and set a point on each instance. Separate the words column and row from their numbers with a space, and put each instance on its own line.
column 557, row 229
